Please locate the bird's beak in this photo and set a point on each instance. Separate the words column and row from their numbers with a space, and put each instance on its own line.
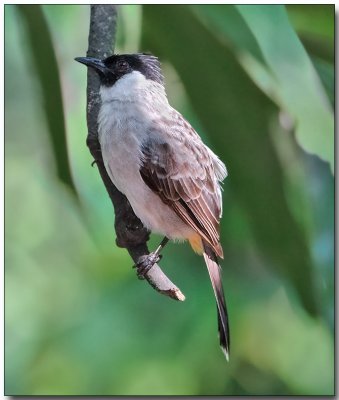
column 95, row 63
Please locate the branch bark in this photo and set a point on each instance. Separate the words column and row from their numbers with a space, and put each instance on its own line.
column 131, row 234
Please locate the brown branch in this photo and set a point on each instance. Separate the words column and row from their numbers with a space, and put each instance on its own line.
column 130, row 232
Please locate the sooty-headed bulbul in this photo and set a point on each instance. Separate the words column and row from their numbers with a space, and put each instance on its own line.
column 159, row 162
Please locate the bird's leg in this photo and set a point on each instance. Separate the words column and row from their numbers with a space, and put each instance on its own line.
column 146, row 262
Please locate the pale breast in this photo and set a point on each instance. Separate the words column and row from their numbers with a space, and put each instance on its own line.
column 119, row 144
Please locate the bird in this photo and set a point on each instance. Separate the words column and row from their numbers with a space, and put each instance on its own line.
column 154, row 156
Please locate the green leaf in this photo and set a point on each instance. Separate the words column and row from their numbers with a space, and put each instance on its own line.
column 314, row 24
column 326, row 73
column 313, row 19
column 279, row 64
column 227, row 24
column 236, row 115
column 45, row 62
column 299, row 89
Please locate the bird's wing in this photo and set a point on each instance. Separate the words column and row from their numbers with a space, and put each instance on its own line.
column 184, row 173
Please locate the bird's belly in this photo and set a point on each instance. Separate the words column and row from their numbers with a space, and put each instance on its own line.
column 147, row 205
column 157, row 216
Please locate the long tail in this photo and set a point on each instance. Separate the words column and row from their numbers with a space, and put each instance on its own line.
column 214, row 271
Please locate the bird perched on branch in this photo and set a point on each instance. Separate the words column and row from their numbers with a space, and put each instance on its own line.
column 158, row 161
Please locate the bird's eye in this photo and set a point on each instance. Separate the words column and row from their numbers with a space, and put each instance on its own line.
column 121, row 65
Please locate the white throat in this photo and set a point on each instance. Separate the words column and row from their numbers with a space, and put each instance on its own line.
column 131, row 87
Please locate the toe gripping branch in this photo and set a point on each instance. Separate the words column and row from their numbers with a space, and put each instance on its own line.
column 146, row 262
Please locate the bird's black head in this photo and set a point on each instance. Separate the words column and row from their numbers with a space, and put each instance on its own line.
column 112, row 68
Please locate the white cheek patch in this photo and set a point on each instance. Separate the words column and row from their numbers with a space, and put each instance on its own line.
column 124, row 87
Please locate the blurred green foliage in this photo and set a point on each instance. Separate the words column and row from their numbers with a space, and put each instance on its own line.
column 78, row 322
column 46, row 66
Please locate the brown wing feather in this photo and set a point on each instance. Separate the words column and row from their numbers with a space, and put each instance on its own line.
column 179, row 168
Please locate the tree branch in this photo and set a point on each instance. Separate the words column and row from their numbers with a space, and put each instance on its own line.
column 130, row 232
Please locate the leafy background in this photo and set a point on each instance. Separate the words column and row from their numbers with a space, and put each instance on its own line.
column 257, row 82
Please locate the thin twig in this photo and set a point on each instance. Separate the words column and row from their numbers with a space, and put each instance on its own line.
column 130, row 232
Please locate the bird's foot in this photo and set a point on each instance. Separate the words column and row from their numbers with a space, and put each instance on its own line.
column 145, row 263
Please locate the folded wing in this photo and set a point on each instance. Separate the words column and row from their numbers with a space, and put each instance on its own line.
column 185, row 174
